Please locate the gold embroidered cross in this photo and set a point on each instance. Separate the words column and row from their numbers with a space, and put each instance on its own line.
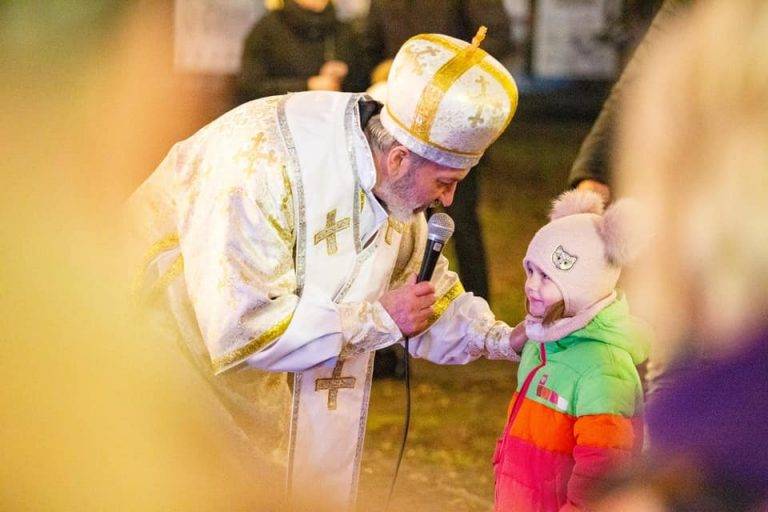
column 483, row 83
column 497, row 112
column 393, row 225
column 329, row 233
column 254, row 154
column 478, row 117
column 418, row 66
column 334, row 384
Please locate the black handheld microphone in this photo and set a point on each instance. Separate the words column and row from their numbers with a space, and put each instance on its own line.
column 439, row 231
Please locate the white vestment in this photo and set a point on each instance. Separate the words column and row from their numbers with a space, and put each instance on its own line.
column 272, row 250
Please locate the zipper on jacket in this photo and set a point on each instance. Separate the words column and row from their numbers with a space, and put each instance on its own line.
column 512, row 414
column 521, row 394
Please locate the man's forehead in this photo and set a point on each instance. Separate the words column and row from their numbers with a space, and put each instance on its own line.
column 452, row 172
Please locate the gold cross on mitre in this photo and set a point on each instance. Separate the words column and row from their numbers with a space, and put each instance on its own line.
column 334, row 384
column 393, row 225
column 478, row 117
column 329, row 232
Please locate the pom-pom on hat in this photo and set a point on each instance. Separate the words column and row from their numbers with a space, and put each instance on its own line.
column 584, row 247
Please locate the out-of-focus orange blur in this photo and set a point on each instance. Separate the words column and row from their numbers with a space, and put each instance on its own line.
column 98, row 411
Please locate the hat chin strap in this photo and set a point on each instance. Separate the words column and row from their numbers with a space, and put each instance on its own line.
column 536, row 331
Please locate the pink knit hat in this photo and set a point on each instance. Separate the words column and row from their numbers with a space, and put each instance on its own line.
column 582, row 250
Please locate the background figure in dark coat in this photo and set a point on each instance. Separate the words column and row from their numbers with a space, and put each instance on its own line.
column 392, row 22
column 301, row 47
column 592, row 168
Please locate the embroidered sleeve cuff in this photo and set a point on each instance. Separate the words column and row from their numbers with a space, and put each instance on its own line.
column 498, row 343
column 366, row 327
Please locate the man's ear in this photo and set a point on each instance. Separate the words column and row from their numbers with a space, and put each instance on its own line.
column 396, row 162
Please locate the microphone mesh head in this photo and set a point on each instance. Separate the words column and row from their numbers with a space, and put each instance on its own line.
column 440, row 227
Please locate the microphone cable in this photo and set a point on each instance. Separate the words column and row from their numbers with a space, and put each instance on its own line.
column 439, row 229
column 406, row 422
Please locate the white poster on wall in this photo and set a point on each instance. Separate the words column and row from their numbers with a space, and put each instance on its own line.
column 519, row 12
column 567, row 43
column 209, row 34
column 350, row 10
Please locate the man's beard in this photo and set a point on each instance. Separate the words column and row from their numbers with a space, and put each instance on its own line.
column 400, row 196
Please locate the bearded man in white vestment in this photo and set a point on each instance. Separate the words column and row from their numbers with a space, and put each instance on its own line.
column 284, row 237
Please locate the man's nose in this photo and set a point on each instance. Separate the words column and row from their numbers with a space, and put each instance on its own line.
column 447, row 197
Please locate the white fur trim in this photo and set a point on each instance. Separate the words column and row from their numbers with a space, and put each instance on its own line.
column 576, row 201
column 619, row 228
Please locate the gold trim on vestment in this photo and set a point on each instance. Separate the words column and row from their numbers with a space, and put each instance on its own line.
column 361, row 431
column 292, row 435
column 352, row 130
column 443, row 302
column 223, row 362
column 166, row 243
column 286, row 235
column 174, row 270
column 429, row 142
column 393, row 225
column 300, row 217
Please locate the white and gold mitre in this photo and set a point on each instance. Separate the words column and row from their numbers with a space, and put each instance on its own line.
column 448, row 100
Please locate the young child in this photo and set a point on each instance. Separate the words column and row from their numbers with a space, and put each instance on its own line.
column 576, row 412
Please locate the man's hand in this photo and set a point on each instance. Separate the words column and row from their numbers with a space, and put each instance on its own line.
column 335, row 68
column 323, row 83
column 596, row 186
column 410, row 306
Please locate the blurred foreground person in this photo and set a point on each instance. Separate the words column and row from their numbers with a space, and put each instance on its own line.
column 577, row 413
column 695, row 147
column 285, row 236
column 97, row 410
column 301, row 47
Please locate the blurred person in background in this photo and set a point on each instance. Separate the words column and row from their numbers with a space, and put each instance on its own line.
column 389, row 24
column 694, row 147
column 591, row 169
column 300, row 45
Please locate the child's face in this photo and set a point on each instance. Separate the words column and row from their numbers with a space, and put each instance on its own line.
column 540, row 291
